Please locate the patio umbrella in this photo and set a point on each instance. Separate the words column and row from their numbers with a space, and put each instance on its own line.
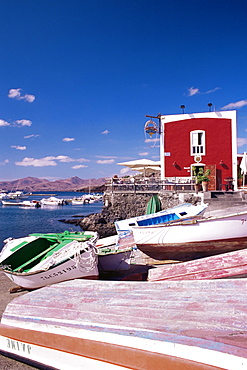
column 146, row 169
column 243, row 166
column 142, row 165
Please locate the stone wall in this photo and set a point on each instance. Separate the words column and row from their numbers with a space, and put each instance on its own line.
column 119, row 206
column 125, row 205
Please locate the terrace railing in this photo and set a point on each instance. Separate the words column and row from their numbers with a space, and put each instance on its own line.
column 149, row 185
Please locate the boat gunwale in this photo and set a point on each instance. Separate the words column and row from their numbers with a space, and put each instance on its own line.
column 57, row 242
column 194, row 220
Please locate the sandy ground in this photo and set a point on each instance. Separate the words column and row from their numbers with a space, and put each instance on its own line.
column 5, row 286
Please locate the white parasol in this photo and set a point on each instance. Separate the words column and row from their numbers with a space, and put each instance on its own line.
column 243, row 166
column 142, row 165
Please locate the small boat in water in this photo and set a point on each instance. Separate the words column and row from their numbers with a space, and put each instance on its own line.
column 11, row 203
column 110, row 325
column 52, row 201
column 18, row 195
column 31, row 203
column 3, row 196
column 86, row 199
column 41, row 259
column 77, row 201
column 181, row 212
column 191, row 239
column 24, row 203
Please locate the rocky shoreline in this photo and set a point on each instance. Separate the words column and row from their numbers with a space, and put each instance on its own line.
column 94, row 222
column 123, row 206
column 103, row 222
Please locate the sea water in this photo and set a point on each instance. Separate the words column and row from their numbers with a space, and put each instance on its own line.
column 18, row 222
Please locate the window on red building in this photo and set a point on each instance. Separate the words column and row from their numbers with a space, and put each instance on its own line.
column 197, row 142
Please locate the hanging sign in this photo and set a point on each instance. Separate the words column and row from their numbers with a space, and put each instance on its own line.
column 151, row 128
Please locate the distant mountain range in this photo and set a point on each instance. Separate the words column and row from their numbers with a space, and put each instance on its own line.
column 31, row 184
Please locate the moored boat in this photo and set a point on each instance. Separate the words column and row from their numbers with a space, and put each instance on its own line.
column 24, row 203
column 18, row 195
column 86, row 199
column 110, row 325
column 31, row 203
column 11, row 203
column 51, row 201
column 180, row 212
column 77, row 202
column 40, row 259
column 195, row 238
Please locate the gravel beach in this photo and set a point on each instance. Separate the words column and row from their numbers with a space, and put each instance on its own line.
column 5, row 286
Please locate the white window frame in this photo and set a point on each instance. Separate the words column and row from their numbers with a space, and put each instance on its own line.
column 197, row 143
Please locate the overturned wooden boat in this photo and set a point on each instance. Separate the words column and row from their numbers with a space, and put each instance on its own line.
column 181, row 212
column 80, row 324
column 40, row 259
column 226, row 265
column 194, row 238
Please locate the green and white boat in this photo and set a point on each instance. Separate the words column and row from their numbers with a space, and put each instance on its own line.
column 43, row 259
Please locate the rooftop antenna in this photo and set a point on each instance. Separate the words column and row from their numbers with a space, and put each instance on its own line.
column 210, row 107
column 182, row 107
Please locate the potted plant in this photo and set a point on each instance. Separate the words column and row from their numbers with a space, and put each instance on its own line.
column 205, row 179
column 196, row 178
column 201, row 178
column 240, row 177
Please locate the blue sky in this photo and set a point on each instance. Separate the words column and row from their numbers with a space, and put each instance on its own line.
column 78, row 78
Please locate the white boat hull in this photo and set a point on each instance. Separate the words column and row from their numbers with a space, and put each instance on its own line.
column 75, row 259
column 193, row 239
column 77, row 202
column 25, row 203
column 124, row 325
column 74, row 268
column 52, row 201
column 183, row 211
column 113, row 257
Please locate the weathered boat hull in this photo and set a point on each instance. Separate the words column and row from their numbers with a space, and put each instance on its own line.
column 192, row 250
column 193, row 239
column 41, row 259
column 227, row 265
column 74, row 268
column 120, row 325
column 111, row 256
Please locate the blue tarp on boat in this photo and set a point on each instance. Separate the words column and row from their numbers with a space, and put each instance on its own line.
column 158, row 220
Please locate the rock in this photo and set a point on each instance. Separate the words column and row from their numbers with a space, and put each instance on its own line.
column 99, row 223
column 122, row 206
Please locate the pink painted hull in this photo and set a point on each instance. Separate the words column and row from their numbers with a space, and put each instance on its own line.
column 227, row 265
column 139, row 325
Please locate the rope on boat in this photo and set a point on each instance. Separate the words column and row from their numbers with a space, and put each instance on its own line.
column 82, row 253
column 88, row 262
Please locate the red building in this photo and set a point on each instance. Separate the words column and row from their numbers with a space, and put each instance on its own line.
column 207, row 140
